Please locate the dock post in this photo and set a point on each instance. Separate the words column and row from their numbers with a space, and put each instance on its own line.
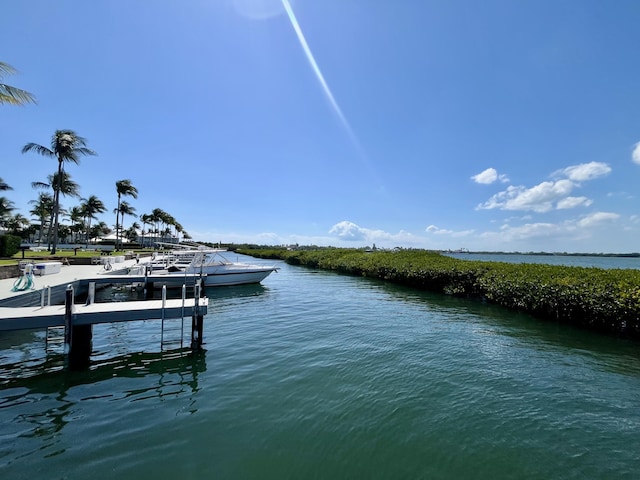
column 77, row 338
column 197, row 320
column 91, row 294
column 68, row 312
column 148, row 290
column 81, row 346
column 164, row 301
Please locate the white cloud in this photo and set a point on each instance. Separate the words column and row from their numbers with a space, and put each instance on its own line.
column 268, row 238
column 596, row 219
column 539, row 198
column 528, row 231
column 441, row 231
column 585, row 171
column 635, row 155
column 550, row 194
column 573, row 202
column 544, row 233
column 489, row 176
column 590, row 232
column 348, row 231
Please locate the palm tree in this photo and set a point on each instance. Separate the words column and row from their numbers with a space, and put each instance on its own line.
column 90, row 207
column 16, row 224
column 43, row 209
column 132, row 232
column 123, row 187
column 6, row 207
column 123, row 209
column 179, row 229
column 4, row 186
column 157, row 216
column 67, row 188
column 65, row 232
column 66, row 146
column 99, row 230
column 146, row 219
column 12, row 95
column 76, row 215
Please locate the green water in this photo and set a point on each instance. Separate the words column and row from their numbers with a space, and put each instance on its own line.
column 316, row 375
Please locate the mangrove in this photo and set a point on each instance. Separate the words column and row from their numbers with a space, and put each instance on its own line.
column 603, row 300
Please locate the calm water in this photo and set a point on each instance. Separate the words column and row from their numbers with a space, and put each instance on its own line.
column 573, row 261
column 316, row 375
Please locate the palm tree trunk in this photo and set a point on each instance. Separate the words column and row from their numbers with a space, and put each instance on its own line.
column 49, row 227
column 117, row 230
column 56, row 207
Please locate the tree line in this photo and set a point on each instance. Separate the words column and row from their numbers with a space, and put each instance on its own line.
column 66, row 147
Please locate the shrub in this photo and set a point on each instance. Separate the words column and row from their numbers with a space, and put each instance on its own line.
column 9, row 245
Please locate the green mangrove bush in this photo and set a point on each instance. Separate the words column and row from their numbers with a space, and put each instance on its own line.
column 598, row 299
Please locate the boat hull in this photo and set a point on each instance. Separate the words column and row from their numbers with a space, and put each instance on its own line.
column 235, row 278
column 205, row 263
column 218, row 278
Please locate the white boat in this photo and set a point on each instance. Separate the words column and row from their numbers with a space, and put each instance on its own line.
column 208, row 263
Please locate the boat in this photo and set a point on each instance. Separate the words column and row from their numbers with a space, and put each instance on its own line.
column 209, row 263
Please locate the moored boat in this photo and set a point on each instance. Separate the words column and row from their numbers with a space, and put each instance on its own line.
column 208, row 263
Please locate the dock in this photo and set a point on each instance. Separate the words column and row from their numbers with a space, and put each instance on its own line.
column 51, row 303
column 24, row 318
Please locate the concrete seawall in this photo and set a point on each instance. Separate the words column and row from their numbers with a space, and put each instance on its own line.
column 9, row 271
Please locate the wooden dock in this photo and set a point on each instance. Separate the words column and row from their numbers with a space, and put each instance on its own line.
column 23, row 318
column 35, row 308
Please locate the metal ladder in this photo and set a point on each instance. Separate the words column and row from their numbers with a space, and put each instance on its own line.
column 173, row 328
column 54, row 336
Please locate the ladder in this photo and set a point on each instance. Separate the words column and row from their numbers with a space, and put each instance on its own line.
column 172, row 329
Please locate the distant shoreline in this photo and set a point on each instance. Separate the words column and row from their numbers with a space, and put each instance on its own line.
column 551, row 254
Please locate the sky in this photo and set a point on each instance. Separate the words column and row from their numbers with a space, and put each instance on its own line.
column 499, row 125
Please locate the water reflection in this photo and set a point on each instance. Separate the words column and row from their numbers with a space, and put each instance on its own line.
column 236, row 291
column 492, row 323
column 49, row 377
column 126, row 293
column 42, row 405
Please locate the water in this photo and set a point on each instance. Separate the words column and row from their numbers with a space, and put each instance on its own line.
column 317, row 375
column 568, row 260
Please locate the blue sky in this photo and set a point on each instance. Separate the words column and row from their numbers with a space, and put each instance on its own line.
column 493, row 125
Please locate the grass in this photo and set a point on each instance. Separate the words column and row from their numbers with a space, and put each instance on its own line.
column 64, row 253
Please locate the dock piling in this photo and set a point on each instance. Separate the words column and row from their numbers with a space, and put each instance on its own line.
column 68, row 313
column 77, row 338
column 91, row 293
column 197, row 320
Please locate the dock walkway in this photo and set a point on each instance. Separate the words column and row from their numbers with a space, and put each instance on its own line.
column 19, row 318
column 50, row 303
column 68, row 274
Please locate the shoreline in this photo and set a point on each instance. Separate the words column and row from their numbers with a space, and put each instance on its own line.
column 601, row 300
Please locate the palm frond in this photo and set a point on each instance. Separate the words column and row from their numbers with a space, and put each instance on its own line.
column 5, row 186
column 15, row 96
column 85, row 151
column 12, row 95
column 39, row 149
column 7, row 69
